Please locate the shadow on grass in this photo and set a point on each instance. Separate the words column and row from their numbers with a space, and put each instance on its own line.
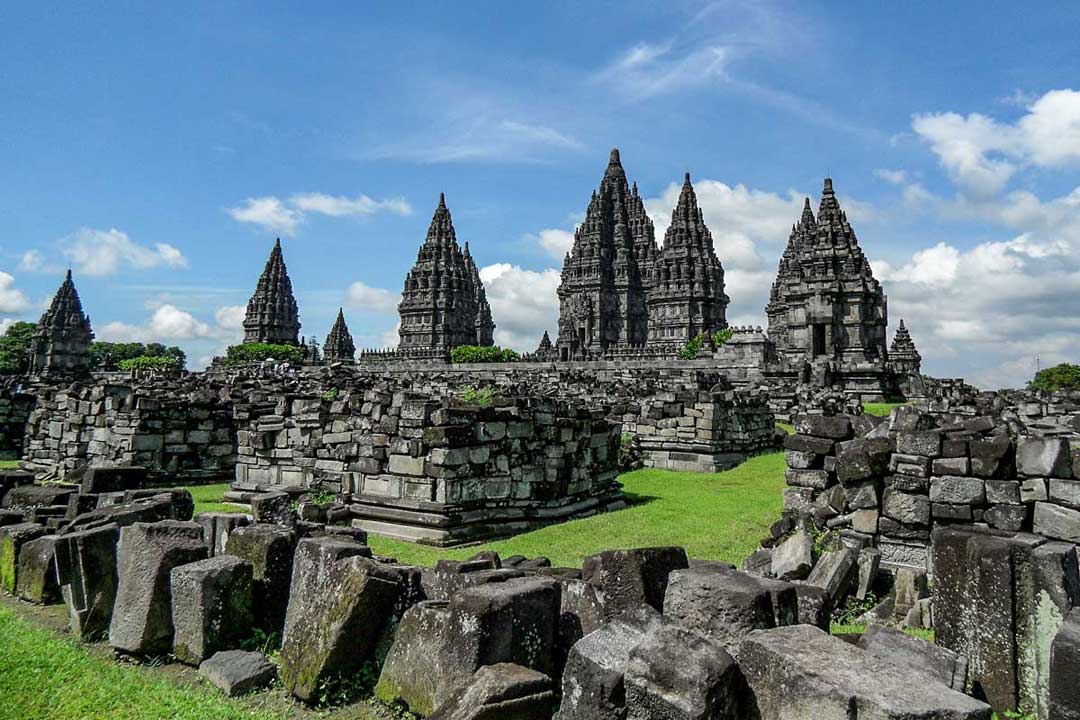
column 635, row 499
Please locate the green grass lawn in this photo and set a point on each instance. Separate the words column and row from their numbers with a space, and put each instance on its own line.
column 208, row 498
column 880, row 409
column 9, row 464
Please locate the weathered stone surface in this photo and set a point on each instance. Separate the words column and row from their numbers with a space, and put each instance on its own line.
column 13, row 538
column 909, row 586
column 793, row 559
column 835, row 428
column 1006, row 517
column 677, row 674
column 86, row 571
column 113, row 479
column 1057, row 522
column 1064, row 691
column 627, row 578
column 945, row 666
column 862, row 495
column 1065, row 492
column 803, row 672
column 862, row 458
column 211, row 607
column 925, row 443
column 439, row 645
column 1033, row 490
column 1043, row 457
column 24, row 497
column 274, row 508
column 816, row 479
column 269, row 549
column 1003, row 492
column 958, row 490
column 834, row 573
column 726, row 605
column 237, row 672
column 499, row 691
column 869, row 562
column 36, row 578
column 593, row 686
column 339, row 605
column 808, row 444
column 907, row 508
column 992, row 458
column 815, row 606
column 142, row 614
column 271, row 315
column 217, row 526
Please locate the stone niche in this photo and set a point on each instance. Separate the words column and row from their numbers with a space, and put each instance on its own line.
column 433, row 469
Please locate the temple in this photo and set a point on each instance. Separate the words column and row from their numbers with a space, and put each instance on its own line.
column 686, row 293
column 443, row 304
column 903, row 356
column 60, row 346
column 339, row 346
column 272, row 316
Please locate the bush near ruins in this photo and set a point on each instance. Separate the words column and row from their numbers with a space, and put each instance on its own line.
column 693, row 346
column 163, row 363
column 478, row 354
column 1065, row 376
column 252, row 353
column 107, row 356
column 15, row 348
column 720, row 337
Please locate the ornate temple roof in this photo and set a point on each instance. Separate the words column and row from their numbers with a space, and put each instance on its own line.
column 61, row 341
column 272, row 314
column 339, row 343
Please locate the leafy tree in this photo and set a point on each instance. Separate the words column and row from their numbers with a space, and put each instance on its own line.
column 1065, row 376
column 480, row 354
column 15, row 348
column 107, row 356
column 252, row 353
column 149, row 362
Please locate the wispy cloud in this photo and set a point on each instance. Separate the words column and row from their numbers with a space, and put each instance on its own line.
column 482, row 137
column 285, row 216
column 647, row 70
column 268, row 213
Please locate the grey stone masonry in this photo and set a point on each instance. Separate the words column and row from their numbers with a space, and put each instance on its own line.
column 60, row 346
column 272, row 315
column 339, row 345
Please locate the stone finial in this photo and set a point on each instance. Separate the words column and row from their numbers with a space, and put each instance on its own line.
column 339, row 345
column 272, row 315
column 60, row 345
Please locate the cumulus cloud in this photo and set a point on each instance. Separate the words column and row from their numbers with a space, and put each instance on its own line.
column 555, row 242
column 268, row 213
column 365, row 297
column 982, row 154
column 523, row 303
column 168, row 323
column 12, row 300
column 105, row 252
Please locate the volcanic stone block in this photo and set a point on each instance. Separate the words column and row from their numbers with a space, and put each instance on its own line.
column 24, row 497
column 142, row 615
column 12, row 540
column 274, row 508
column 86, row 571
column 181, row 504
column 725, row 605
column 802, row 460
column 36, row 579
column 862, row 495
column 236, row 672
column 439, row 645
column 815, row 606
column 1064, row 691
column 957, row 490
column 906, row 507
column 862, row 458
column 1003, row 492
column 146, row 510
column 816, row 479
column 909, row 586
column 340, row 604
column 904, row 650
column 627, row 578
column 992, row 458
column 113, row 479
column 1006, row 517
column 211, row 607
column 905, row 418
column 1043, row 457
column 925, row 443
column 951, row 466
column 833, row 427
column 593, row 686
column 1057, row 522
column 1065, row 492
column 217, row 527
column 1033, row 490
column 807, row 444
column 803, row 672
column 793, row 559
column 269, row 549
column 834, row 573
column 869, row 562
column 12, row 479
column 503, row 690
column 677, row 674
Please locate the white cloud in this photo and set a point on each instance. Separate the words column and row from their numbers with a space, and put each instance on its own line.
column 365, row 297
column 340, row 206
column 390, row 338
column 523, row 303
column 484, row 133
column 105, row 252
column 32, row 261
column 12, row 300
column 269, row 213
column 555, row 242
column 167, row 322
column 895, row 177
column 230, row 318
column 981, row 154
column 647, row 70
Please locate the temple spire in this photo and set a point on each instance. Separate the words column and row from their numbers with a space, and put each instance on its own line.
column 272, row 315
column 339, row 345
column 60, row 346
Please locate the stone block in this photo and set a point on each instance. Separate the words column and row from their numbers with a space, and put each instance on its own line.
column 834, row 573
column 861, row 495
column 803, row 672
column 992, row 458
column 142, row 614
column 726, row 605
column 677, row 674
column 627, row 578
column 1003, row 492
column 86, row 572
column 1043, row 456
column 945, row 666
column 951, row 466
column 211, row 607
column 269, row 549
column 833, row 427
column 340, row 603
column 863, row 458
column 113, row 479
column 1059, row 523
column 13, row 538
column 36, row 578
column 802, row 460
column 1033, row 490
column 906, row 508
column 217, row 526
column 1064, row 691
column 237, row 672
column 1007, row 517
column 25, row 497
column 816, row 479
column 274, row 508
column 808, row 444
column 957, row 490
column 926, row 443
column 793, row 558
column 869, row 562
column 503, row 690
column 1065, row 492
column 909, row 586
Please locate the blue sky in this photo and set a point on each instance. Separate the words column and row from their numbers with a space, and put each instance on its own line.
column 159, row 149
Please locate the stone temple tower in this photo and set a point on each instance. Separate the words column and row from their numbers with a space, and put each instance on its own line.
column 443, row 304
column 606, row 273
column 686, row 289
column 825, row 303
column 60, row 346
column 272, row 316
column 904, row 357
column 339, row 346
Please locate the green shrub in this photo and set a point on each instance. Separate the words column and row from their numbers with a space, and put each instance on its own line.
column 477, row 396
column 252, row 353
column 107, row 356
column 850, row 612
column 478, row 354
column 692, row 346
column 146, row 362
column 1065, row 376
column 15, row 348
column 722, row 336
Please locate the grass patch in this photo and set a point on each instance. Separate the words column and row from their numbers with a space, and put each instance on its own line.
column 210, row 498
column 9, row 464
column 841, row 629
column 718, row 516
column 879, row 409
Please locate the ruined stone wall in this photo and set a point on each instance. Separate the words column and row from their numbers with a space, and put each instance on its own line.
column 890, row 483
column 171, row 427
column 15, row 407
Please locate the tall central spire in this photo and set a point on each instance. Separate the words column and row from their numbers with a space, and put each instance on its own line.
column 60, row 346
column 272, row 315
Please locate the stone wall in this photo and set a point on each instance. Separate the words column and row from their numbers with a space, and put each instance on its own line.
column 15, row 407
column 889, row 482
